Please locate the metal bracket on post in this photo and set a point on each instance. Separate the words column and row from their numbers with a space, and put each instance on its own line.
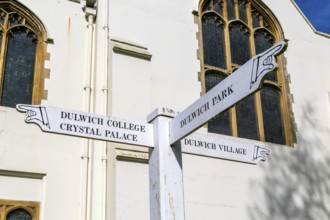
column 165, row 171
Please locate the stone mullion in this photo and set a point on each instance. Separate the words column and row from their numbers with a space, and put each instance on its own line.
column 257, row 100
column 3, row 55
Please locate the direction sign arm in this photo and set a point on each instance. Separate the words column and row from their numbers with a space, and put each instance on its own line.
column 245, row 81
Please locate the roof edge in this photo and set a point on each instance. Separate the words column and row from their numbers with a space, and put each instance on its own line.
column 308, row 22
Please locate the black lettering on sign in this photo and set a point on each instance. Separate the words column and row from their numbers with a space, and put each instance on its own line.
column 121, row 136
column 231, row 149
column 126, row 125
column 82, row 118
column 201, row 110
column 222, row 95
column 197, row 143
column 80, row 129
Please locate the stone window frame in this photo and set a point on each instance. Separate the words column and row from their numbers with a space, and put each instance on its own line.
column 31, row 22
column 7, row 206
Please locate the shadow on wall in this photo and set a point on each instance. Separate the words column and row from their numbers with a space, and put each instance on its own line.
column 296, row 182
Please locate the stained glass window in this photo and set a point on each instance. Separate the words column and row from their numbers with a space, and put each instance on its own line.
column 19, row 210
column 19, row 45
column 213, row 43
column 19, row 214
column 19, row 68
column 232, row 31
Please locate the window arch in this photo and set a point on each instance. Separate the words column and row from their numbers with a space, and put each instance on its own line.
column 19, row 214
column 231, row 32
column 19, row 210
column 22, row 50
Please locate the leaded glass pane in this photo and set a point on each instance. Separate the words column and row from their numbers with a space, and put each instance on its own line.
column 255, row 19
column 213, row 78
column 15, row 19
column 231, row 9
column 2, row 17
column 207, row 6
column 213, row 41
column 264, row 40
column 221, row 123
column 218, row 6
column 242, row 10
column 19, row 214
column 19, row 69
column 271, row 112
column 239, row 43
column 247, row 126
column 266, row 24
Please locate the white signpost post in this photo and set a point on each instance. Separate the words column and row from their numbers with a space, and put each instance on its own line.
column 168, row 129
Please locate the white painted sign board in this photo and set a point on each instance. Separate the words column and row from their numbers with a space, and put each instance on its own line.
column 243, row 82
column 224, row 147
column 63, row 121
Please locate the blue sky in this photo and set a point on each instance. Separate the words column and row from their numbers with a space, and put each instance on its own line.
column 317, row 12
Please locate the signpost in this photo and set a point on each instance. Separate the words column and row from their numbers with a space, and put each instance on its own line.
column 167, row 137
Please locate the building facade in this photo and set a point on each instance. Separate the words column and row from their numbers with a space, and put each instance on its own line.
column 124, row 59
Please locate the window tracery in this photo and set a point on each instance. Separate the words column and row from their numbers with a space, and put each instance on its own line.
column 22, row 50
column 19, row 210
column 231, row 32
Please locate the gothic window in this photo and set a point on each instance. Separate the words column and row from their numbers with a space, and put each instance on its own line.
column 19, row 210
column 22, row 48
column 231, row 32
column 19, row 214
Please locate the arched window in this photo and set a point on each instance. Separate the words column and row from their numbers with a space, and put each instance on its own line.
column 231, row 32
column 22, row 46
column 19, row 210
column 19, row 214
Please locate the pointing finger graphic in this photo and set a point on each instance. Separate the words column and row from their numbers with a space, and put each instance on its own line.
column 265, row 62
column 34, row 114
